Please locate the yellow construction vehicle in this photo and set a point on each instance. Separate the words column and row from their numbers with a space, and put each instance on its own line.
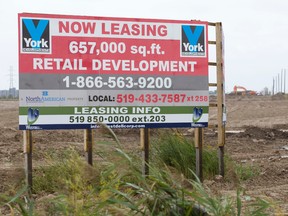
column 243, row 91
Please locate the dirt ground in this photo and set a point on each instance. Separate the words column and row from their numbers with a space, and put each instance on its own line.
column 262, row 142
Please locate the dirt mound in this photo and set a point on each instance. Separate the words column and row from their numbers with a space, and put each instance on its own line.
column 279, row 96
column 263, row 133
column 281, row 126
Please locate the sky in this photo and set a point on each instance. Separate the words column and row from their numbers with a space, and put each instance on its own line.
column 256, row 31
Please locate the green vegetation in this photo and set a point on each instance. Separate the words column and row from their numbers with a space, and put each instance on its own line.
column 245, row 172
column 65, row 172
column 68, row 186
column 179, row 152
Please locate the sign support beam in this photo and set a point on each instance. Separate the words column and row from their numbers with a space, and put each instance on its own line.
column 199, row 135
column 145, row 144
column 220, row 96
column 27, row 149
column 88, row 147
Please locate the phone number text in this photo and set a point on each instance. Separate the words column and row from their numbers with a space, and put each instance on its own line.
column 118, row 82
column 164, row 98
column 116, row 119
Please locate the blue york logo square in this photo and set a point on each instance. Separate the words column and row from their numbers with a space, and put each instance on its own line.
column 193, row 40
column 45, row 93
column 35, row 36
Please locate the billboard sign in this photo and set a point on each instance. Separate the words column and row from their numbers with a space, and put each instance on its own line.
column 78, row 71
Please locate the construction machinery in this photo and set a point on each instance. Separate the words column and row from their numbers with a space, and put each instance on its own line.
column 243, row 91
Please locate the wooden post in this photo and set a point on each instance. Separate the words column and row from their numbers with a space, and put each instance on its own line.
column 145, row 142
column 220, row 96
column 27, row 149
column 88, row 145
column 199, row 135
column 221, row 155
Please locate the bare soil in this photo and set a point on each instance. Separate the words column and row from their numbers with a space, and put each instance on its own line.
column 262, row 143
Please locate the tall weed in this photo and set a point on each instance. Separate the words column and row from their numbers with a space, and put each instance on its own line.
column 177, row 151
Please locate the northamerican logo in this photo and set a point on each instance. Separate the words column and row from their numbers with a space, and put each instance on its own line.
column 35, row 36
column 193, row 40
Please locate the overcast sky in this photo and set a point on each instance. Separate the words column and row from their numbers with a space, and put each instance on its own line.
column 256, row 31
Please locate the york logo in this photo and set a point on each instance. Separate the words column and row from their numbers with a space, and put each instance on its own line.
column 193, row 40
column 35, row 36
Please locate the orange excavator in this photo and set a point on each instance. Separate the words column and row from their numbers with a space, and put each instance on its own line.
column 243, row 91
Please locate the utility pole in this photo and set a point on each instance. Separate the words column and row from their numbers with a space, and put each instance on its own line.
column 281, row 79
column 273, row 87
column 11, row 77
column 11, row 86
column 285, row 81
column 278, row 82
column 276, row 85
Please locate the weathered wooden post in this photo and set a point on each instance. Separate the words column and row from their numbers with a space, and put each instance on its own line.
column 220, row 96
column 88, row 145
column 199, row 135
column 145, row 144
column 27, row 149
